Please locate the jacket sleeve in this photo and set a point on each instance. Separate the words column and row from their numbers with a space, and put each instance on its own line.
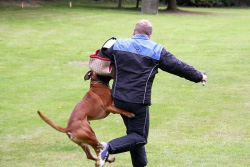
column 169, row 63
column 108, row 52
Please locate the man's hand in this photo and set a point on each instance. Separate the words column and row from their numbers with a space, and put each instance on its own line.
column 204, row 79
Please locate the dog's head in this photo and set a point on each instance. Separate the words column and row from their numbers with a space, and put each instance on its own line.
column 94, row 77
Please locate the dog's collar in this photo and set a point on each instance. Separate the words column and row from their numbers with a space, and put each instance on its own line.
column 100, row 82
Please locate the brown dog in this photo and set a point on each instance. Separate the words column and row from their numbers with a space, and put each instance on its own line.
column 96, row 104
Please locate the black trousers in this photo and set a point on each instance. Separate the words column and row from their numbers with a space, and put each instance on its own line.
column 137, row 133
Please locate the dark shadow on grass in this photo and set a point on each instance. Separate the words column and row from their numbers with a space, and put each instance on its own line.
column 160, row 11
column 97, row 5
column 183, row 12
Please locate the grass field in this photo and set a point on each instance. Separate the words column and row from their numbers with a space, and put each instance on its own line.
column 191, row 125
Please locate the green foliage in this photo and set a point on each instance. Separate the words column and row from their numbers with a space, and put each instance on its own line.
column 191, row 125
column 213, row 3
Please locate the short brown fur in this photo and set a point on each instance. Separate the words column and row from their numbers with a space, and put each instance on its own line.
column 96, row 104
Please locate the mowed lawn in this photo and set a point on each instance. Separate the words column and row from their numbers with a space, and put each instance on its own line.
column 42, row 50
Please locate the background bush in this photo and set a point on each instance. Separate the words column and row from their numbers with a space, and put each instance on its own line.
column 213, row 3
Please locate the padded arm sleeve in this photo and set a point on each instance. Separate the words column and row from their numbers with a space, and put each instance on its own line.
column 169, row 63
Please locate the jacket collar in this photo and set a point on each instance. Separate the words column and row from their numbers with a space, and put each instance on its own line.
column 140, row 36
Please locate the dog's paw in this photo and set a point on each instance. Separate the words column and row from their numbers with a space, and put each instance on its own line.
column 110, row 160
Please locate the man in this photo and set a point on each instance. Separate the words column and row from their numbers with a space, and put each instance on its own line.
column 137, row 60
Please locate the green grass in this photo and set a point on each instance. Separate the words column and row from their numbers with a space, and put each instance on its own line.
column 191, row 125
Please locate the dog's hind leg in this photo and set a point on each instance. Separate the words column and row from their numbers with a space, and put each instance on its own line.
column 91, row 140
column 88, row 152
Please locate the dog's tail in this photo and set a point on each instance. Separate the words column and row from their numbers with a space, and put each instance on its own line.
column 52, row 124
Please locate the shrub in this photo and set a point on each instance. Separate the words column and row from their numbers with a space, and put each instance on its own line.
column 213, row 3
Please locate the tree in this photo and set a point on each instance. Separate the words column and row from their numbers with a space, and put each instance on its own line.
column 119, row 4
column 137, row 3
column 172, row 5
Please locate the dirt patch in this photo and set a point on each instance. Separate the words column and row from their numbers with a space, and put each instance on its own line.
column 22, row 3
column 32, row 4
column 183, row 12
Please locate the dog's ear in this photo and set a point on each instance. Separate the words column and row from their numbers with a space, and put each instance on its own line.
column 87, row 75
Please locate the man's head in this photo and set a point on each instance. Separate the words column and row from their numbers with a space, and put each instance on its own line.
column 143, row 27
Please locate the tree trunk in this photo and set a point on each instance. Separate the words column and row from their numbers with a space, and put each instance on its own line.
column 172, row 5
column 137, row 4
column 119, row 4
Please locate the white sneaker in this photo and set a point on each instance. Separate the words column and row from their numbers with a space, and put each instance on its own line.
column 104, row 153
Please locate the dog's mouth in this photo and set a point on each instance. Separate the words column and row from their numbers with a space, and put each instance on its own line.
column 104, row 79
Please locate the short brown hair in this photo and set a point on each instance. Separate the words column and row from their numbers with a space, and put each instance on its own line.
column 143, row 27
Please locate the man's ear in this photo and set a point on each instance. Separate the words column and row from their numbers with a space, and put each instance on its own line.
column 87, row 75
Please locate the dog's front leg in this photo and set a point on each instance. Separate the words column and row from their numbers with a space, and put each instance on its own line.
column 115, row 110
